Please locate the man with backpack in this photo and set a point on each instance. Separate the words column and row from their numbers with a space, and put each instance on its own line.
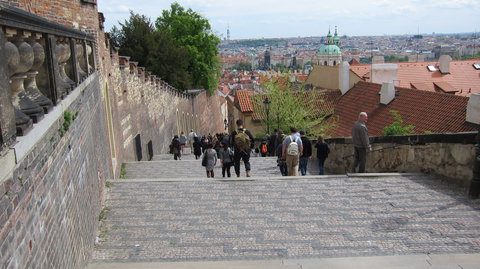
column 242, row 141
column 292, row 149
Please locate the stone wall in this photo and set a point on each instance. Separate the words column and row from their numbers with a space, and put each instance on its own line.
column 141, row 104
column 450, row 155
column 50, row 201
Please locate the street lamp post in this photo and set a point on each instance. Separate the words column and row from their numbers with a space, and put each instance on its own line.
column 266, row 102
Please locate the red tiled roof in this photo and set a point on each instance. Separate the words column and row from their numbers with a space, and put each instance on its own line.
column 428, row 111
column 463, row 78
column 244, row 101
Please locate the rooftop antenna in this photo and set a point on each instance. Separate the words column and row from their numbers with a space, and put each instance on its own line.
column 228, row 31
column 416, row 44
column 474, row 43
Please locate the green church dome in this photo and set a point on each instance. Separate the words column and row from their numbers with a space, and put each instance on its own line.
column 329, row 49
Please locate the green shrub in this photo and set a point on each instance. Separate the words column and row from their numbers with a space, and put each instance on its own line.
column 397, row 127
column 68, row 119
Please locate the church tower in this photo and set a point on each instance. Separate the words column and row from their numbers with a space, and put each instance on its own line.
column 329, row 53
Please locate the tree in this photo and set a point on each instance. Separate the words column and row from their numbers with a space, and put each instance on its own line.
column 193, row 32
column 288, row 107
column 397, row 127
column 133, row 36
column 168, row 61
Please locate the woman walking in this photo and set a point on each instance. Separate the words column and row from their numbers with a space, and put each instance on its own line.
column 210, row 160
column 322, row 153
column 183, row 141
column 226, row 159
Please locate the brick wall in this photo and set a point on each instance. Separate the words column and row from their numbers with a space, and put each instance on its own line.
column 49, row 206
column 72, row 13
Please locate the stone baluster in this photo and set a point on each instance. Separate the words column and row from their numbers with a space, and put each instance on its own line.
column 89, row 58
column 19, row 56
column 63, row 85
column 65, row 55
column 31, row 82
column 81, row 60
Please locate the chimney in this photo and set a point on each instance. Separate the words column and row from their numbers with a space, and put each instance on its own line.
column 378, row 60
column 473, row 109
column 344, row 77
column 387, row 93
column 384, row 73
column 444, row 64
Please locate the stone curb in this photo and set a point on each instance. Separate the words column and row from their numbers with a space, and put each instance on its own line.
column 421, row 261
column 235, row 179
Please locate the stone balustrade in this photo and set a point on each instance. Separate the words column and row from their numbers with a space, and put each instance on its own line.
column 44, row 62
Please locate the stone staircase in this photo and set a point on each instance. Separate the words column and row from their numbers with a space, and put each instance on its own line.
column 168, row 214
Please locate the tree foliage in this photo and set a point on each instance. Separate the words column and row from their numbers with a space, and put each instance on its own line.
column 298, row 108
column 397, row 127
column 132, row 37
column 193, row 32
column 180, row 48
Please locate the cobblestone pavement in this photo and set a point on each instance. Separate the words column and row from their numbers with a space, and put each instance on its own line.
column 271, row 219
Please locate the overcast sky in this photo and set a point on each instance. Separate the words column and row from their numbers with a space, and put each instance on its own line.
column 293, row 18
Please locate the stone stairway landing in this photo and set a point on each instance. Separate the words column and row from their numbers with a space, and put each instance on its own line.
column 165, row 167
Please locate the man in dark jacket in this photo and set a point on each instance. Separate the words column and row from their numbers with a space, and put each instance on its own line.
column 307, row 152
column 271, row 143
column 242, row 152
column 177, row 148
column 361, row 143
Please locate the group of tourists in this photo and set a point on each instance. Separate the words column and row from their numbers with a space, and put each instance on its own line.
column 293, row 151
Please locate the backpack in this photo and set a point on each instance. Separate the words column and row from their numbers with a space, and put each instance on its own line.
column 293, row 146
column 242, row 141
column 264, row 148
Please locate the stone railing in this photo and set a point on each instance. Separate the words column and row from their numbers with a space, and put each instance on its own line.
column 450, row 155
column 43, row 63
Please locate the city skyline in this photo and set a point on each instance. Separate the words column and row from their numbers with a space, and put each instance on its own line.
column 282, row 18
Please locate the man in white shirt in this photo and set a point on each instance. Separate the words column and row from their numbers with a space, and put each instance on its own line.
column 191, row 136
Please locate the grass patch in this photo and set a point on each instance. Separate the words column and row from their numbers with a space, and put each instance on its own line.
column 123, row 171
column 103, row 214
column 108, row 184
